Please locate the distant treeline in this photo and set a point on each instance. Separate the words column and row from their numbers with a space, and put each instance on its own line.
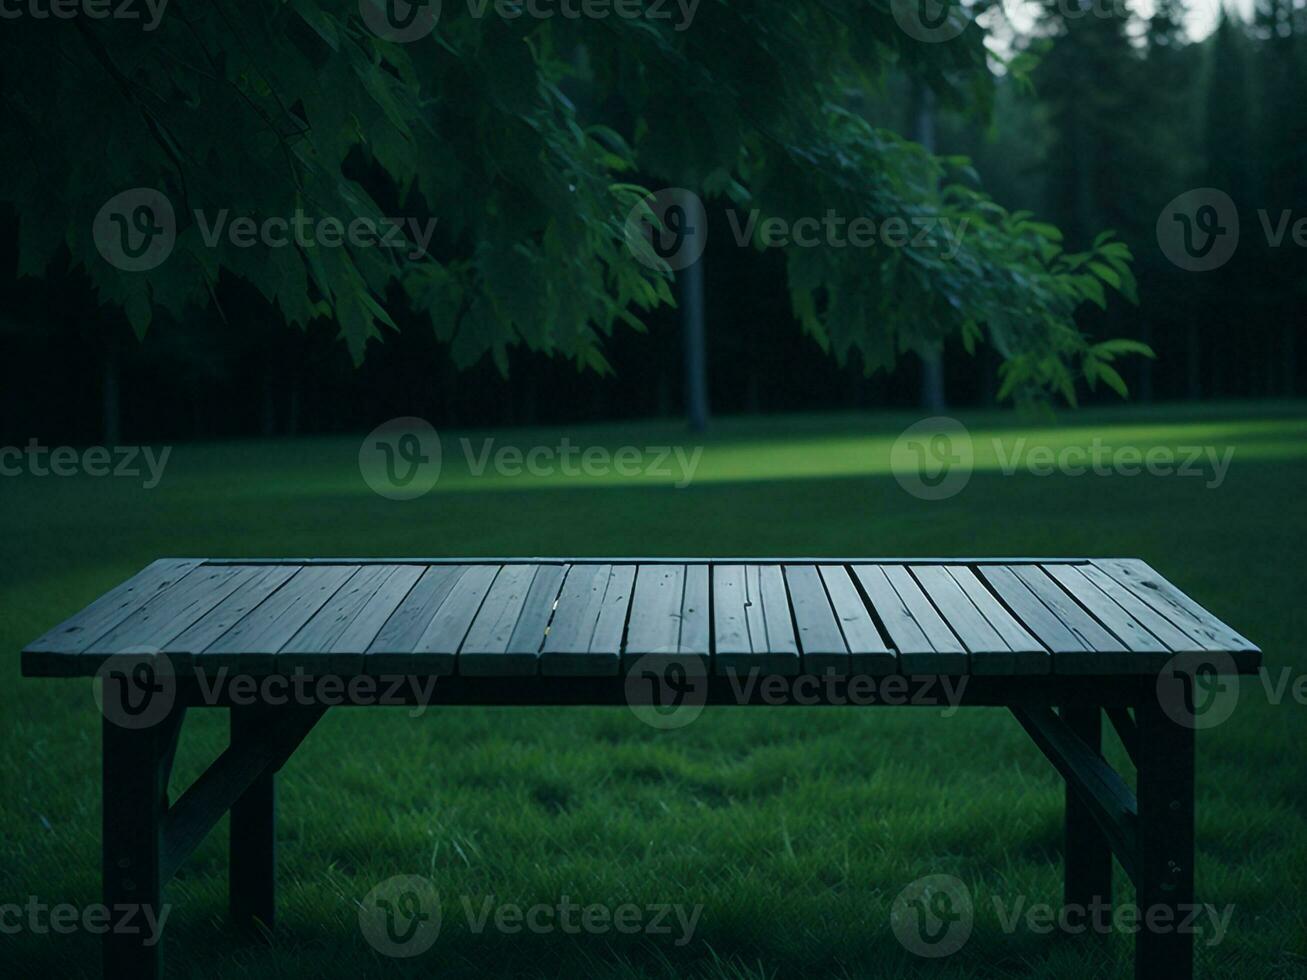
column 1118, row 118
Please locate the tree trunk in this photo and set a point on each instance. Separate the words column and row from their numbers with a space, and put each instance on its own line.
column 112, row 405
column 696, row 354
column 694, row 338
column 923, row 132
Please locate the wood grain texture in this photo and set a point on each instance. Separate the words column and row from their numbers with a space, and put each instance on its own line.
column 594, row 618
column 821, row 641
column 55, row 652
column 868, row 651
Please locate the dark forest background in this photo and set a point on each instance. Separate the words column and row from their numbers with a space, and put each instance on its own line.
column 1120, row 115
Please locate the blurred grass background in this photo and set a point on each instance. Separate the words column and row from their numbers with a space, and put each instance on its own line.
column 793, row 830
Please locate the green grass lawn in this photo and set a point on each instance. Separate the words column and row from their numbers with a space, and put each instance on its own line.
column 794, row 830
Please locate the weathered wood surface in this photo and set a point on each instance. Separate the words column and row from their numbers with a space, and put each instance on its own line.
column 595, row 617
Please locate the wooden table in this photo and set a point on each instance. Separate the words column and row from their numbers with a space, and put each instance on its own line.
column 1061, row 642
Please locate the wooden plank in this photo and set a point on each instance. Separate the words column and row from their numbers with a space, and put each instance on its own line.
column 933, row 649
column 567, row 646
column 1033, row 614
column 754, row 629
column 654, row 625
column 730, row 622
column 168, row 613
column 55, row 651
column 394, row 649
column 1176, row 640
column 611, row 627
column 821, row 642
column 1027, row 656
column 329, row 642
column 696, row 612
column 185, row 649
column 484, row 652
column 778, row 615
column 1107, row 654
column 961, row 615
column 903, row 630
column 868, row 653
column 437, row 648
column 600, row 652
column 1149, row 653
column 366, row 626
column 537, row 613
column 1188, row 615
column 252, row 643
column 579, row 603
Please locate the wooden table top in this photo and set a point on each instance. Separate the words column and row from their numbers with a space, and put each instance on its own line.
column 593, row 616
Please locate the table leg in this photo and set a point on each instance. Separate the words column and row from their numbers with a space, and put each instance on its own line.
column 1088, row 856
column 136, row 765
column 1165, row 863
column 253, row 854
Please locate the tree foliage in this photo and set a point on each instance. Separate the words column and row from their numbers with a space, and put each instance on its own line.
column 528, row 140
